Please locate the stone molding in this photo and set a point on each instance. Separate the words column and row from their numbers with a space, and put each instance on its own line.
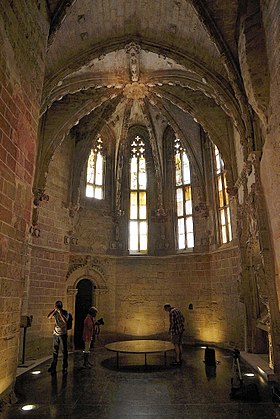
column 84, row 267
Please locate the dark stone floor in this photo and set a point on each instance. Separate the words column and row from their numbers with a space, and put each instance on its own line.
column 136, row 391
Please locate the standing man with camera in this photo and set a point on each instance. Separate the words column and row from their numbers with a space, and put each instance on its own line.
column 176, row 330
column 59, row 335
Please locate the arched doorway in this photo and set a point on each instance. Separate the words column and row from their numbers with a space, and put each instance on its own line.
column 86, row 286
column 84, row 300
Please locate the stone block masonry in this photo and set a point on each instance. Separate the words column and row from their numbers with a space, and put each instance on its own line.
column 22, row 37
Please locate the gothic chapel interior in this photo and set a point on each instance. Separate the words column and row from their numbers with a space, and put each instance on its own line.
column 140, row 164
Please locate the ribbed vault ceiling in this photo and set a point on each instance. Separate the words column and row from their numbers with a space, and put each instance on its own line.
column 121, row 63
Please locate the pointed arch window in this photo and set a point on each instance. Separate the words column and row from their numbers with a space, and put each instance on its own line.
column 95, row 172
column 223, row 201
column 138, row 222
column 185, row 234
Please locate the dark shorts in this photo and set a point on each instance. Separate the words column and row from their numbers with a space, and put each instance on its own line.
column 177, row 339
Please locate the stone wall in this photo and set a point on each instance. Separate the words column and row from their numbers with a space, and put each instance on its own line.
column 130, row 293
column 23, row 35
column 50, row 252
column 270, row 169
column 203, row 286
column 227, row 319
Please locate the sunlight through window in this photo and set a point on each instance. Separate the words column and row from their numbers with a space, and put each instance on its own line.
column 95, row 172
column 138, row 224
column 223, row 201
column 183, row 197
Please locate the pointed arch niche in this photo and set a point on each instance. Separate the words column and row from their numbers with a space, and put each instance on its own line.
column 95, row 278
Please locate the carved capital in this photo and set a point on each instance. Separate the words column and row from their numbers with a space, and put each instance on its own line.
column 72, row 291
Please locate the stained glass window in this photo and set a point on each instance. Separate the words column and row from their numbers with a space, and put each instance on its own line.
column 95, row 172
column 138, row 223
column 223, row 201
column 185, row 232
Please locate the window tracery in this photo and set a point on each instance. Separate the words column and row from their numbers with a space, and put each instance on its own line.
column 185, row 231
column 223, row 199
column 138, row 222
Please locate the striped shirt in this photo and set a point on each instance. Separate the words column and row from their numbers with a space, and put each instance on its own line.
column 176, row 319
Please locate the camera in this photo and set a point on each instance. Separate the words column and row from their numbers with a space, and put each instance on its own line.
column 236, row 354
column 100, row 322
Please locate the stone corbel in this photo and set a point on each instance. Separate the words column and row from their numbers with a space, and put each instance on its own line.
column 39, row 196
column 34, row 231
column 73, row 209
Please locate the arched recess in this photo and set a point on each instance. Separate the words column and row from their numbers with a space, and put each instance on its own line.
column 173, row 131
column 150, row 137
column 122, row 183
column 85, row 141
column 51, row 135
column 92, row 273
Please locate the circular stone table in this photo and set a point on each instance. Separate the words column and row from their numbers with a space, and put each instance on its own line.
column 140, row 347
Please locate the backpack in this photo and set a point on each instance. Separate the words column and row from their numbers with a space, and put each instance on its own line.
column 69, row 321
